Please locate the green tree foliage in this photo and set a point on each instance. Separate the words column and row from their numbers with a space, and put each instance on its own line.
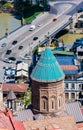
column 7, row 5
column 27, row 98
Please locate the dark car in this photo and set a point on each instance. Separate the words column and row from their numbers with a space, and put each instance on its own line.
column 20, row 47
column 35, row 38
column 18, row 62
column 54, row 19
column 80, row 10
column 12, row 58
column 14, row 42
column 8, row 52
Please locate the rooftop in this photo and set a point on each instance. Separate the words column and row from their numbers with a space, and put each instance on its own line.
column 47, row 68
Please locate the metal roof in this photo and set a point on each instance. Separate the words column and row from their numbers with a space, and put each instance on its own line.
column 62, row 52
column 65, row 60
column 74, row 109
column 47, row 68
column 11, row 95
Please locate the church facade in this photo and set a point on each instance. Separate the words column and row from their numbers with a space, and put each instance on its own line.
column 48, row 96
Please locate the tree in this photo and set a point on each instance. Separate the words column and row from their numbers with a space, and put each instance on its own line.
column 27, row 98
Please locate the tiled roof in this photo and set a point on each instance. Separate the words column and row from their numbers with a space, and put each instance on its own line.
column 69, row 69
column 15, row 87
column 47, row 68
column 80, row 126
column 64, row 123
column 7, row 122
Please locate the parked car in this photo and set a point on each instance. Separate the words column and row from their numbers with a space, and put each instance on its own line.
column 14, row 42
column 39, row 25
column 3, row 45
column 12, row 58
column 8, row 52
column 80, row 10
column 7, row 60
column 54, row 19
column 20, row 47
column 35, row 38
column 18, row 62
column 26, row 57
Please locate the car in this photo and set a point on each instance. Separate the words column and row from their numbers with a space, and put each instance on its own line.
column 32, row 27
column 39, row 25
column 7, row 60
column 3, row 45
column 26, row 57
column 80, row 10
column 12, row 58
column 54, row 19
column 20, row 47
column 35, row 38
column 14, row 42
column 18, row 62
column 8, row 52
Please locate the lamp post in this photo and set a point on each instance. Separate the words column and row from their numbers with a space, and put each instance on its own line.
column 48, row 37
column 6, row 33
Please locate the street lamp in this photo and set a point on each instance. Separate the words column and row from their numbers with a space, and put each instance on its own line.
column 6, row 33
column 48, row 38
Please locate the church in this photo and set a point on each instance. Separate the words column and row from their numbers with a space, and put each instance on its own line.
column 48, row 98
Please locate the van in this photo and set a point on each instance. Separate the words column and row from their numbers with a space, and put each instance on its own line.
column 32, row 27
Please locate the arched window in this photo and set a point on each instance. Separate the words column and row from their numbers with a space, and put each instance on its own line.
column 59, row 103
column 44, row 103
column 52, row 103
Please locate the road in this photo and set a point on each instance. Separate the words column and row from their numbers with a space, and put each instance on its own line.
column 25, row 37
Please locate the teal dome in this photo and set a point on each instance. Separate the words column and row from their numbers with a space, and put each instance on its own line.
column 47, row 68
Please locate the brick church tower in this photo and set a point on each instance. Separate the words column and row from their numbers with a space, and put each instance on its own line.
column 48, row 95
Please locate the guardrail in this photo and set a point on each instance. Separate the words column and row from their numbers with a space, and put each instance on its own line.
column 51, row 34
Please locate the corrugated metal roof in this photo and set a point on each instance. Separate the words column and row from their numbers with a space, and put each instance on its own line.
column 24, row 115
column 11, row 95
column 22, row 73
column 74, row 109
column 69, row 67
column 47, row 68
column 22, row 66
column 70, row 71
column 65, row 60
column 62, row 52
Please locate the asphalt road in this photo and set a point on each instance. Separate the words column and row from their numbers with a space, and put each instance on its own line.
column 25, row 37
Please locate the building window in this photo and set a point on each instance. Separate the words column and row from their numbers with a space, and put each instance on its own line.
column 53, row 103
column 66, row 86
column 59, row 103
column 72, row 95
column 66, row 96
column 72, row 86
column 44, row 103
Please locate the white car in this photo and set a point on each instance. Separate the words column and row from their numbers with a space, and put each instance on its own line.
column 32, row 27
column 7, row 60
column 26, row 57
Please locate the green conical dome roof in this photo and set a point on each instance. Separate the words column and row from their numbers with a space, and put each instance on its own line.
column 47, row 68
